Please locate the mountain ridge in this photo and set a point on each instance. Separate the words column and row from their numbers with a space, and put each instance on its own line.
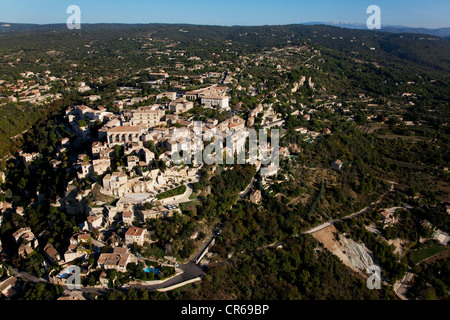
column 443, row 32
column 440, row 32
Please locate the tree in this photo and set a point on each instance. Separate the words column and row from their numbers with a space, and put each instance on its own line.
column 8, row 194
column 91, row 280
column 144, row 294
column 147, row 205
column 95, row 233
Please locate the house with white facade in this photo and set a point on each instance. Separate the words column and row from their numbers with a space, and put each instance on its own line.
column 135, row 234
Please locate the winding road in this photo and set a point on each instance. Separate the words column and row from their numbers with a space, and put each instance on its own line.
column 352, row 215
column 189, row 271
column 329, row 223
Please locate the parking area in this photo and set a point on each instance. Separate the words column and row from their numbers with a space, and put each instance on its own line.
column 171, row 206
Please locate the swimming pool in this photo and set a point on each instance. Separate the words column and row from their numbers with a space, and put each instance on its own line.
column 67, row 272
column 148, row 269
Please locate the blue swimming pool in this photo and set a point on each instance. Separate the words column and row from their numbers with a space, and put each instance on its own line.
column 148, row 269
column 67, row 272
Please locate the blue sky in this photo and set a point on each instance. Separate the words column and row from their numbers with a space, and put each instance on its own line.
column 414, row 13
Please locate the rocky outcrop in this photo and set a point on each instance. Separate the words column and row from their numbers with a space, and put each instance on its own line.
column 358, row 254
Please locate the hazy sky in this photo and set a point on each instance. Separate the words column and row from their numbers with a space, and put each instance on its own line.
column 414, row 13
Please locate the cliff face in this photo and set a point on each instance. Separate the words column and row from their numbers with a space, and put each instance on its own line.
column 358, row 254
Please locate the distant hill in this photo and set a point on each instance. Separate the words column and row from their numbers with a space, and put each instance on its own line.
column 19, row 27
column 441, row 32
column 428, row 53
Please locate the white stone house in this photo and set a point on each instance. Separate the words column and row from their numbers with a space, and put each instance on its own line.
column 135, row 234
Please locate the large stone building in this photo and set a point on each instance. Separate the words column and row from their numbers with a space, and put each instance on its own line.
column 215, row 101
column 180, row 105
column 117, row 260
column 121, row 135
column 213, row 96
column 147, row 117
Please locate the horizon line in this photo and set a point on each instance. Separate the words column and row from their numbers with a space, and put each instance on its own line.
column 335, row 24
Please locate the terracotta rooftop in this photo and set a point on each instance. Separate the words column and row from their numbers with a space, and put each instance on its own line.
column 125, row 129
column 134, row 231
column 50, row 251
column 127, row 214
column 93, row 218
column 113, row 259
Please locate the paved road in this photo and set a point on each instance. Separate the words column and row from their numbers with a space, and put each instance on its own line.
column 329, row 223
column 190, row 271
column 244, row 193
column 205, row 246
column 401, row 287
column 183, row 199
column 31, row 278
column 26, row 276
